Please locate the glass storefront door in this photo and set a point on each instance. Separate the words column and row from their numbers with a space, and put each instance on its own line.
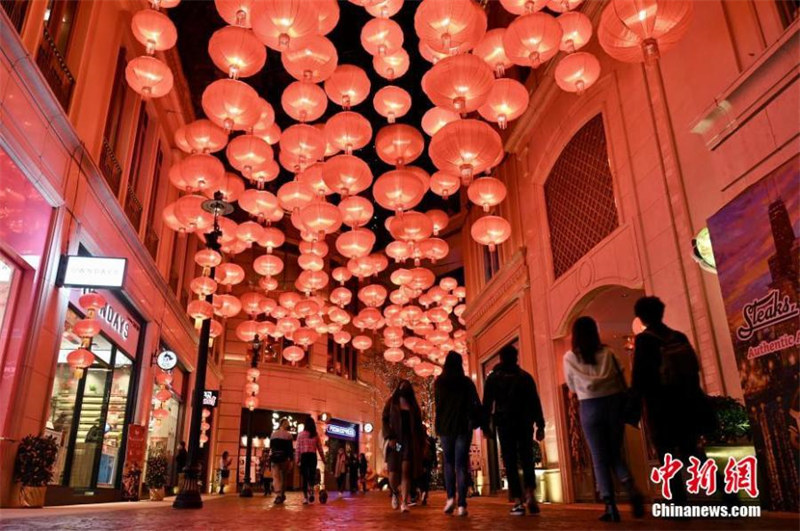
column 89, row 414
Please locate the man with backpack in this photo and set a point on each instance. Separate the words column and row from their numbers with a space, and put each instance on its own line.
column 510, row 397
column 666, row 376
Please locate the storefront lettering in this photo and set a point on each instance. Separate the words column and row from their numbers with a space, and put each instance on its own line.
column 341, row 431
column 764, row 312
column 115, row 320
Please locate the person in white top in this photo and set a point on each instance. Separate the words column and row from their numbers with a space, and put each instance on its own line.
column 592, row 371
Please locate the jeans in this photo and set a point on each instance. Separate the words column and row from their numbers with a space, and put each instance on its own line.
column 601, row 420
column 456, row 465
column 516, row 445
column 308, row 472
column 278, row 475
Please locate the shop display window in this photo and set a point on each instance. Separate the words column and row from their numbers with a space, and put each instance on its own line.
column 88, row 415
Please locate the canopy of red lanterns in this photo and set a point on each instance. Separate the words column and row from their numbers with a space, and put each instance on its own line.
column 334, row 192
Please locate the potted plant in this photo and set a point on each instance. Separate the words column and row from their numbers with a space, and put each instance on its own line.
column 541, row 478
column 156, row 475
column 33, row 468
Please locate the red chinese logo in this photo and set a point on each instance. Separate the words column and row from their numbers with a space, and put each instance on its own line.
column 739, row 475
column 663, row 474
column 702, row 476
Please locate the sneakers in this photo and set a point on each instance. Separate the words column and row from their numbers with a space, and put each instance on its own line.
column 449, row 506
column 279, row 499
column 404, row 508
column 305, row 500
column 518, row 510
column 462, row 511
column 395, row 502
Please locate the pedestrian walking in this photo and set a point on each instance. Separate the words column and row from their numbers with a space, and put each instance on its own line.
column 224, row 471
column 308, row 446
column 340, row 470
column 592, row 371
column 352, row 470
column 362, row 471
column 511, row 400
column 458, row 413
column 281, row 457
column 666, row 376
column 180, row 462
column 405, row 440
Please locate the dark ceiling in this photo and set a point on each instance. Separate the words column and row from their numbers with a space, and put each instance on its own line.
column 197, row 20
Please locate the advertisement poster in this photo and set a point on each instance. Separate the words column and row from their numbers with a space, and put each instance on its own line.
column 757, row 251
column 134, row 461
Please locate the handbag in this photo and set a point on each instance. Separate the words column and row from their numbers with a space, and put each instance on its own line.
column 631, row 405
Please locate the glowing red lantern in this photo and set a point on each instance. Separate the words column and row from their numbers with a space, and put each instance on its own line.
column 356, row 211
column 304, row 101
column 199, row 171
column 399, row 144
column 392, row 102
column 235, row 12
column 439, row 218
column 399, row 251
column 271, row 238
column 561, row 6
column 532, row 39
column 434, row 249
column 522, row 7
column 361, row 342
column 507, row 100
column 383, row 8
column 311, row 59
column 248, row 152
column 226, row 305
column 154, row 30
column 259, row 203
column 246, row 331
column 450, row 26
column 149, row 77
column 577, row 72
column 320, row 218
column 294, row 195
column 346, row 175
column 491, row 231
column 203, row 286
column 327, row 15
column 86, row 328
column 202, row 136
column 486, row 192
column 301, row 146
column 373, row 295
column 199, row 310
column 237, row 51
column 190, row 213
column 381, row 36
column 398, row 190
column 490, row 49
column 229, row 274
column 281, row 23
column 251, row 303
column 465, row 147
column 232, row 104
column 92, row 302
column 341, row 337
column 347, row 86
column 392, row 66
column 460, row 83
column 347, row 131
column 577, row 30
column 436, row 118
column 393, row 355
column 411, row 227
column 341, row 274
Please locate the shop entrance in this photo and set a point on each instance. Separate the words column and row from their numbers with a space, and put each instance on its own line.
column 344, row 435
column 612, row 308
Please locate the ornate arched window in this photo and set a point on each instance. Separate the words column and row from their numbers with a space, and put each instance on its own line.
column 579, row 194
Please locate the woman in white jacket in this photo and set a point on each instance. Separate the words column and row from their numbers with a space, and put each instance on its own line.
column 592, row 372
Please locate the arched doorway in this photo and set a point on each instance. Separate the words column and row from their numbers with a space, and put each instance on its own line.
column 612, row 308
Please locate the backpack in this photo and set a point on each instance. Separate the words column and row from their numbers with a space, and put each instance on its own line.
column 679, row 366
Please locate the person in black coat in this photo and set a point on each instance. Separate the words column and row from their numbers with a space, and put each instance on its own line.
column 457, row 414
column 404, row 435
column 510, row 397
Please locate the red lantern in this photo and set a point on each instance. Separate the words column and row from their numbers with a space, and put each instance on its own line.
column 450, row 26
column 347, row 131
column 392, row 66
column 231, row 186
column 398, row 190
column 203, row 136
column 393, row 355
column 251, row 303
column 627, row 27
column 200, row 310
column 486, row 192
column 361, row 342
column 507, row 101
column 311, row 59
column 347, row 175
column 235, row 12
column 246, row 331
column 312, row 176
column 436, row 118
column 561, row 6
column 271, row 238
column 341, row 274
column 347, row 86
column 304, row 336
column 577, row 30
column 189, row 212
column 341, row 338
column 399, row 144
column 281, row 23
column 356, row 211
column 301, row 146
column 465, row 147
column 411, row 227
column 293, row 354
column 439, row 218
column 310, row 262
column 392, row 102
column 86, row 328
column 532, row 39
column 251, row 403
column 268, row 265
column 383, row 8
column 490, row 49
column 226, row 305
column 320, row 217
column 522, row 7
column 259, row 203
column 203, row 286
column 381, row 36
column 232, row 104
column 294, row 195
column 237, row 51
column 327, row 15
column 577, row 72
column 229, row 274
column 247, row 153
column 460, row 83
column 373, row 295
column 304, row 101
column 149, row 77
column 434, row 249
column 199, row 171
column 399, row 251
column 92, row 302
column 154, row 30
column 160, row 414
column 491, row 231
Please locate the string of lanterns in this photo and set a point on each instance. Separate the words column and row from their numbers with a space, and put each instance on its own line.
column 86, row 329
column 470, row 94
